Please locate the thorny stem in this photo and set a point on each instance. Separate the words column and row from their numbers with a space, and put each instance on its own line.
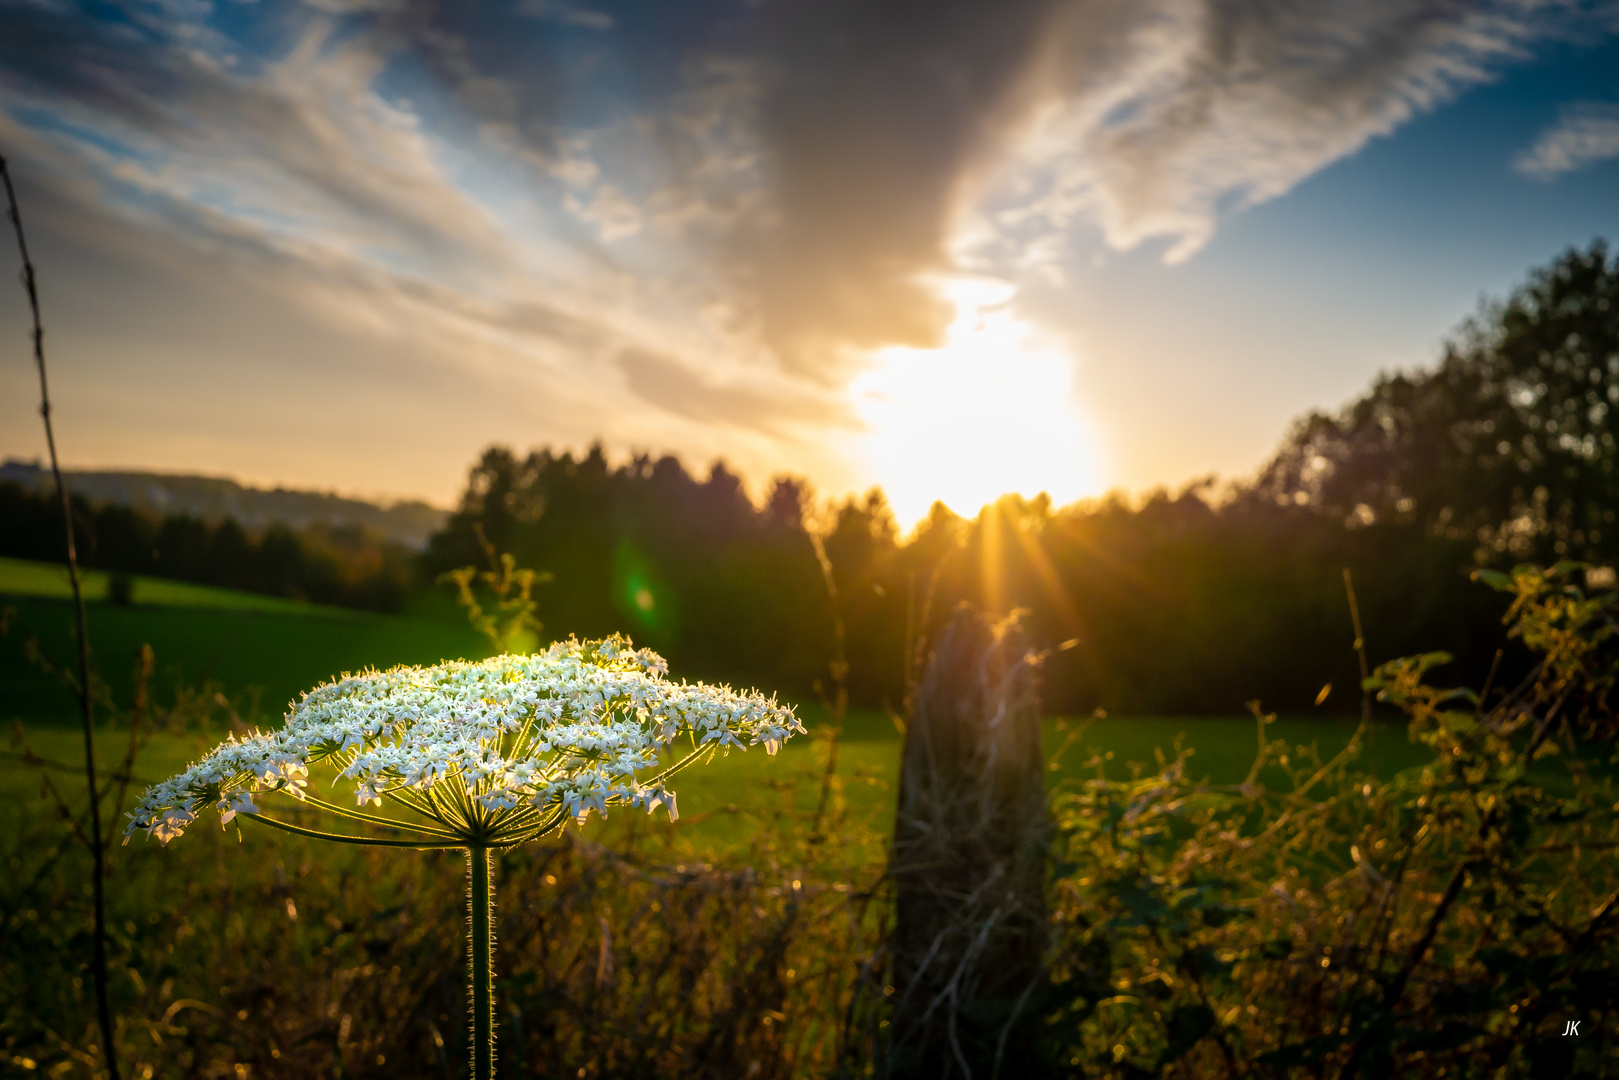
column 98, row 943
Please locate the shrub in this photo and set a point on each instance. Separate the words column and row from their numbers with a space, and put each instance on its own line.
column 1451, row 920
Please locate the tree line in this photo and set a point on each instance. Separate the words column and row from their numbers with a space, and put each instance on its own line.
column 1177, row 602
column 1191, row 602
column 1171, row 604
column 347, row 566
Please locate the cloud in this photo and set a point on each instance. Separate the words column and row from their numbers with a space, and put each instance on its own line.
column 902, row 147
column 823, row 161
column 1586, row 133
column 166, row 112
column 567, row 14
column 726, row 202
column 1166, row 119
column 296, row 170
column 672, row 386
column 613, row 214
column 875, row 117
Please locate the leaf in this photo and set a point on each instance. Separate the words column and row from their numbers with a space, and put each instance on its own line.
column 1495, row 579
column 1277, row 949
column 1302, row 1053
column 1187, row 1024
column 1203, row 961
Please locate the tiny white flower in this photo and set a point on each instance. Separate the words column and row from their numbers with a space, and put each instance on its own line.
column 237, row 802
column 565, row 732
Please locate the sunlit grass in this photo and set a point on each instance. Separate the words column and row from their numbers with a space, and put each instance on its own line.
column 23, row 577
column 724, row 805
column 267, row 656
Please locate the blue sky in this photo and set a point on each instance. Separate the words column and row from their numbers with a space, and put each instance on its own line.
column 1367, row 264
column 1030, row 245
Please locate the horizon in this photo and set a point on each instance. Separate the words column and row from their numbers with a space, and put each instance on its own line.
column 699, row 472
column 994, row 251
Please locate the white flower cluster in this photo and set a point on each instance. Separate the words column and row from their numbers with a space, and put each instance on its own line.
column 564, row 730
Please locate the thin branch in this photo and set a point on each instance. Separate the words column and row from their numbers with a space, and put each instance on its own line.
column 137, row 712
column 839, row 669
column 98, row 957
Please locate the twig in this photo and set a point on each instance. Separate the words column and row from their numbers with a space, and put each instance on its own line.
column 1360, row 651
column 137, row 713
column 839, row 671
column 98, row 963
column 38, row 762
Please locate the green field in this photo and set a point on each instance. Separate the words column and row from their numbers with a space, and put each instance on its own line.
column 724, row 803
column 20, row 577
column 253, row 922
column 260, row 652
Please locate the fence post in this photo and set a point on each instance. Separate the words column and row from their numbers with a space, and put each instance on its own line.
column 969, row 859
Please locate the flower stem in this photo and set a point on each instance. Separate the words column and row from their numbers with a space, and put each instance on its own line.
column 481, row 946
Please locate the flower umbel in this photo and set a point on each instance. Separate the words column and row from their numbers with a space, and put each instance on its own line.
column 492, row 753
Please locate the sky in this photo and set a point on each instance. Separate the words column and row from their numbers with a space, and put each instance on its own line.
column 949, row 248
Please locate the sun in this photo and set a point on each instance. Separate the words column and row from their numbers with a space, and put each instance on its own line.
column 991, row 411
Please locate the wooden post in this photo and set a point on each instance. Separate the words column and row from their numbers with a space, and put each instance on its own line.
column 969, row 857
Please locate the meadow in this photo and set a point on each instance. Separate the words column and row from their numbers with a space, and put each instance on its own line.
column 257, row 652
column 260, row 651
column 751, row 937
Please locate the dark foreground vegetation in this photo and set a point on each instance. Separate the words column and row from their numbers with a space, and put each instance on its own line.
column 1312, row 919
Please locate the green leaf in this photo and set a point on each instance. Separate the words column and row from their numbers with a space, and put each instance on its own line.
column 1187, row 1024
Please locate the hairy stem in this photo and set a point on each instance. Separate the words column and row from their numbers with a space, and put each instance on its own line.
column 481, row 948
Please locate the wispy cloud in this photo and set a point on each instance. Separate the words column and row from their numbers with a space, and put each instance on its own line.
column 1164, row 121
column 818, row 161
column 900, row 147
column 299, row 158
column 726, row 203
column 567, row 14
column 1586, row 133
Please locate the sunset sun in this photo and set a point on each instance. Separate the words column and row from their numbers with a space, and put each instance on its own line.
column 991, row 411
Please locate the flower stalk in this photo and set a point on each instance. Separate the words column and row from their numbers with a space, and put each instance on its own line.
column 481, row 974
column 479, row 757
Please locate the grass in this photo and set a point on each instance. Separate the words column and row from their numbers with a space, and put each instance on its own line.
column 22, row 577
column 721, row 802
column 196, row 926
column 261, row 652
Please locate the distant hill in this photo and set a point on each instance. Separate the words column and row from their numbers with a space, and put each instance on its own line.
column 215, row 498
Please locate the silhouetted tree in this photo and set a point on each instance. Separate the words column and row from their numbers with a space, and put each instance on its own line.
column 1509, row 443
column 349, row 567
column 690, row 567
